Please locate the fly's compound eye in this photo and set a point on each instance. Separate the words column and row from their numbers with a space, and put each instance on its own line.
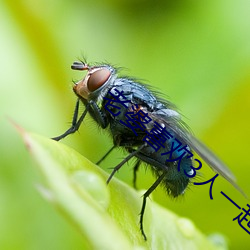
column 97, row 79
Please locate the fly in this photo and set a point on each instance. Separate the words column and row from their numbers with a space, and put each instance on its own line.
column 130, row 111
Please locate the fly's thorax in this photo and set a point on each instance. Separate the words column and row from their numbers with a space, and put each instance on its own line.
column 97, row 79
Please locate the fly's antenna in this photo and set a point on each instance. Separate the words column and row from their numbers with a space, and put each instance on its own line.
column 80, row 66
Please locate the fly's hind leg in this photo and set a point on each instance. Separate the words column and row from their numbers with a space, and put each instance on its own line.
column 145, row 196
column 135, row 169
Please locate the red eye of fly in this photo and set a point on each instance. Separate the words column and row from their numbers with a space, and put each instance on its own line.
column 97, row 79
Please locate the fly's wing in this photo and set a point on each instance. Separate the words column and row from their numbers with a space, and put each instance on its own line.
column 172, row 121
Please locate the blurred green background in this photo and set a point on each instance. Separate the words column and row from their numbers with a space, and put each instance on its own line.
column 195, row 52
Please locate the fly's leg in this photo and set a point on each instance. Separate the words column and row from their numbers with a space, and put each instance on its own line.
column 105, row 155
column 136, row 167
column 75, row 124
column 91, row 107
column 100, row 117
column 145, row 196
column 124, row 161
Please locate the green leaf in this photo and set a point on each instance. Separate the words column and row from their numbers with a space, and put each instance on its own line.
column 107, row 215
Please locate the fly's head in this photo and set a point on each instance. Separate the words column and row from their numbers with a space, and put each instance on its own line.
column 95, row 80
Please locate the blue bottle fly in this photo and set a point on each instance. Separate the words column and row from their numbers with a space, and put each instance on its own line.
column 148, row 127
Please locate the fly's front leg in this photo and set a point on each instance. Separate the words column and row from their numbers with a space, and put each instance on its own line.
column 75, row 123
column 98, row 115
